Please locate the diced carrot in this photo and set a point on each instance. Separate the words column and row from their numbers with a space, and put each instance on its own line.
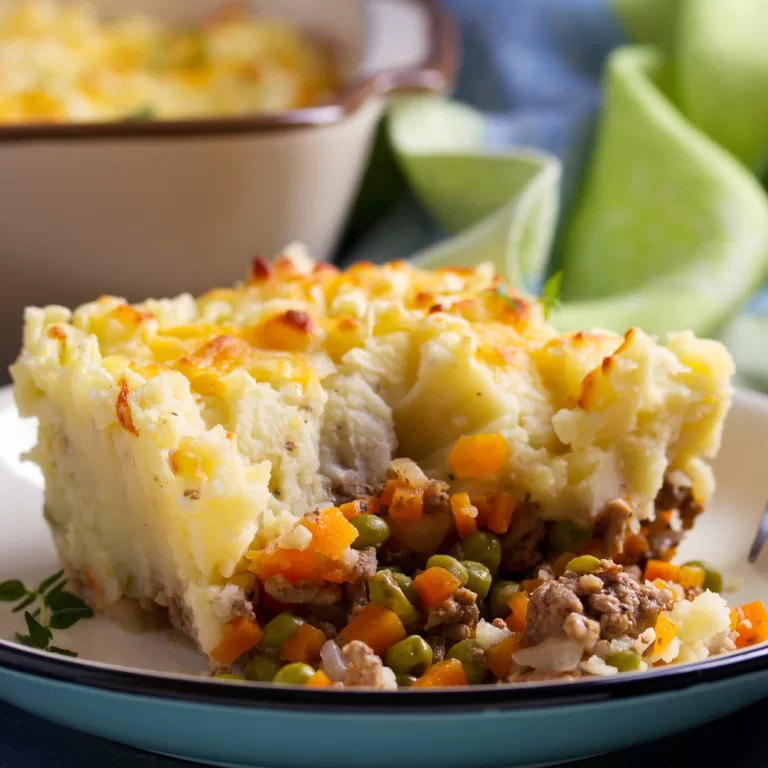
column 376, row 626
column 658, row 569
column 240, row 635
column 464, row 514
column 386, row 494
column 691, row 576
column 501, row 516
column 485, row 506
column 367, row 506
column 442, row 675
column 295, row 565
column 736, row 618
column 303, row 645
column 435, row 585
column 529, row 585
column 331, row 532
column 666, row 630
column 635, row 546
column 270, row 604
column 518, row 606
column 319, row 680
column 478, row 455
column 500, row 655
column 754, row 627
column 407, row 503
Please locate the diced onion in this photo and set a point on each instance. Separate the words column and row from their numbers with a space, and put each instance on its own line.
column 555, row 654
column 487, row 635
column 334, row 663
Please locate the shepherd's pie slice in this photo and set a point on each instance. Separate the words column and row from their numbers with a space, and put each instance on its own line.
column 180, row 439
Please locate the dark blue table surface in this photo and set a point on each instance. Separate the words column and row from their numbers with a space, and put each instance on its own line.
column 28, row 742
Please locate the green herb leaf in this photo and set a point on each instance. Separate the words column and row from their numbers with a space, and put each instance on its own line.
column 11, row 591
column 39, row 634
column 47, row 582
column 25, row 640
column 59, row 600
column 550, row 294
column 65, row 618
column 61, row 651
column 24, row 603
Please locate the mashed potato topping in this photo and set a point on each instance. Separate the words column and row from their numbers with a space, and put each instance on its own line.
column 176, row 435
column 59, row 62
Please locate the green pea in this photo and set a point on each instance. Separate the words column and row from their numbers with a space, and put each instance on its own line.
column 450, row 564
column 584, row 564
column 410, row 656
column 262, row 668
column 384, row 590
column 406, row 584
column 713, row 579
column 480, row 578
column 483, row 547
column 294, row 674
column 472, row 658
column 372, row 531
column 565, row 536
column 405, row 681
column 501, row 591
column 280, row 629
column 228, row 676
column 624, row 661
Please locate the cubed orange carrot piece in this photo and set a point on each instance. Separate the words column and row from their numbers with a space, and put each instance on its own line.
column 478, row 455
column 529, row 585
column 484, row 506
column 240, row 635
column 666, row 630
column 435, row 585
column 464, row 514
column 331, row 532
column 386, row 493
column 442, row 675
column 754, row 626
column 500, row 655
column 658, row 569
column 501, row 516
column 367, row 506
column 691, row 576
column 376, row 626
column 518, row 607
column 319, row 680
column 407, row 503
column 303, row 645
column 635, row 546
column 295, row 565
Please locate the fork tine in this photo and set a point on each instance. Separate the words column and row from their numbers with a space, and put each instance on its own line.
column 760, row 537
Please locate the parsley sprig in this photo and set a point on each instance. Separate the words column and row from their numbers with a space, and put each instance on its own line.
column 56, row 609
column 550, row 293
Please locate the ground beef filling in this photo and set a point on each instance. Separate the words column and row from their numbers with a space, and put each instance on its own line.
column 607, row 604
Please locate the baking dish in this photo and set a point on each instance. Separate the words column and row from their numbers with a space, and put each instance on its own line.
column 143, row 208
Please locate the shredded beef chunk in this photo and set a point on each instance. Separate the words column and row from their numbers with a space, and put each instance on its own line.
column 436, row 498
column 455, row 616
column 550, row 605
column 522, row 544
column 437, row 644
column 302, row 592
column 365, row 567
column 355, row 597
column 365, row 668
column 612, row 525
column 610, row 598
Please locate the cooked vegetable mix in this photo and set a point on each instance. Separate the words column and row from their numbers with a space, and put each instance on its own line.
column 456, row 609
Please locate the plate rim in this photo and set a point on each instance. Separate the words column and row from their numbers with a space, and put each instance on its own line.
column 521, row 696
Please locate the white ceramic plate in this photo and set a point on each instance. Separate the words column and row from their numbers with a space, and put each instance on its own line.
column 547, row 722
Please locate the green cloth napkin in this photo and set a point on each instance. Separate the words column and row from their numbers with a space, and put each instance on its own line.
column 669, row 227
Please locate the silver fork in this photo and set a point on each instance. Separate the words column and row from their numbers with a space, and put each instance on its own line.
column 760, row 537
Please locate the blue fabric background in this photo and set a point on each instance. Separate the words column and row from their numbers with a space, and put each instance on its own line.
column 533, row 66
